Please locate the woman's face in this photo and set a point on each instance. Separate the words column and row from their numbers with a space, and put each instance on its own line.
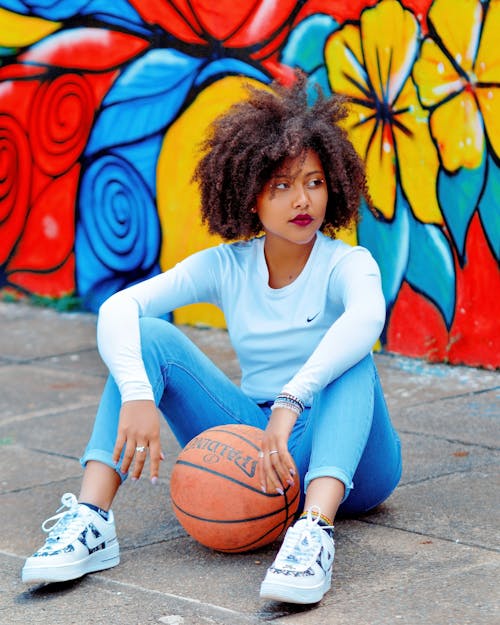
column 292, row 204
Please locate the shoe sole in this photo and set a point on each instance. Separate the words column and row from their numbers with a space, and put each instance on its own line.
column 292, row 594
column 98, row 561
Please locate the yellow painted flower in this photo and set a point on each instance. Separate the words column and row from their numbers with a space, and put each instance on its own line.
column 458, row 79
column 23, row 30
column 371, row 63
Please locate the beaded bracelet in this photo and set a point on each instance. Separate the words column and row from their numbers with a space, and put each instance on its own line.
column 293, row 398
column 290, row 402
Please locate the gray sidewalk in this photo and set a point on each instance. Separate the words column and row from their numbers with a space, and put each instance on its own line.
column 429, row 555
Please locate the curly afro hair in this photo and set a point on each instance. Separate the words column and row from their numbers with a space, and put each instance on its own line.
column 254, row 137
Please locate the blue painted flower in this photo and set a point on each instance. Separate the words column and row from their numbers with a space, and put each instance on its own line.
column 135, row 114
column 118, row 235
column 305, row 49
column 117, row 12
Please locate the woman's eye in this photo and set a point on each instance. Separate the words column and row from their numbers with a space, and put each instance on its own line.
column 315, row 182
column 280, row 185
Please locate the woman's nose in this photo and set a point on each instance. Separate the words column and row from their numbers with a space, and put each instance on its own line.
column 301, row 198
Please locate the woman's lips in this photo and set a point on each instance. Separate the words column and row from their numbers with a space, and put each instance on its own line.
column 302, row 220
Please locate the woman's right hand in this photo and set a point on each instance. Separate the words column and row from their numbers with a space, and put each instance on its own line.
column 276, row 467
column 139, row 426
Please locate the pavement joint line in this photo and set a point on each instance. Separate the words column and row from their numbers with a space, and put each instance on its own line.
column 423, row 480
column 47, row 452
column 449, row 440
column 430, row 535
column 180, row 598
column 24, row 489
column 454, row 396
column 65, row 372
column 47, row 412
column 429, row 478
column 169, row 537
column 9, row 554
column 35, row 359
column 188, row 600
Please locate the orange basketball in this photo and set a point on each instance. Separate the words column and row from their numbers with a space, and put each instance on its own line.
column 216, row 494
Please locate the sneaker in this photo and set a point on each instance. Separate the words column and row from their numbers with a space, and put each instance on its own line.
column 79, row 541
column 302, row 570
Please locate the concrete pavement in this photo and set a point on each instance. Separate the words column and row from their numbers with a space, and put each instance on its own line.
column 428, row 556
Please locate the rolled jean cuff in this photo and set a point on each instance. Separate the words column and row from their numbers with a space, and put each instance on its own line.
column 100, row 455
column 330, row 472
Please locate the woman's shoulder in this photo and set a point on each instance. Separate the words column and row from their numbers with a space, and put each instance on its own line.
column 239, row 249
column 336, row 249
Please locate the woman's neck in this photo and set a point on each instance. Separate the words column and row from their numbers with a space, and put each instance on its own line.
column 285, row 261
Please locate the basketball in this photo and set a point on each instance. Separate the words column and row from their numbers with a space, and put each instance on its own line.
column 216, row 494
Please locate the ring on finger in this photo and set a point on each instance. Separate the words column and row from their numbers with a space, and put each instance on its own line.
column 140, row 448
column 261, row 454
column 273, row 451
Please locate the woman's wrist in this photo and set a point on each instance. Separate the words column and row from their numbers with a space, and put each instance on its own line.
column 290, row 402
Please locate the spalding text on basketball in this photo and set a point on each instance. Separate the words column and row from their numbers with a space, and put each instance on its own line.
column 218, row 450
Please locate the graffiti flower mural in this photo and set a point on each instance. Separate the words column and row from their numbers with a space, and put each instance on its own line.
column 387, row 123
column 370, row 62
column 103, row 106
column 458, row 79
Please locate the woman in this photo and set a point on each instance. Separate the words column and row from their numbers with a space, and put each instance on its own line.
column 303, row 311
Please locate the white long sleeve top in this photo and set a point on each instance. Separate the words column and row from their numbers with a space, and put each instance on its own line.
column 295, row 339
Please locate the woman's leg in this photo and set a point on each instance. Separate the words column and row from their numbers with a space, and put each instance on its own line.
column 353, row 456
column 347, row 436
column 191, row 392
column 379, row 469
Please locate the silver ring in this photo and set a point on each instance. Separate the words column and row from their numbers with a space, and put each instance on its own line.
column 141, row 448
column 273, row 451
column 261, row 454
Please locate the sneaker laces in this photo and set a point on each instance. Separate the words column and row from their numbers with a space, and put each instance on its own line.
column 66, row 524
column 302, row 542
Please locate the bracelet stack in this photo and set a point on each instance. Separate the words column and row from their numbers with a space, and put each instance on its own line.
column 285, row 400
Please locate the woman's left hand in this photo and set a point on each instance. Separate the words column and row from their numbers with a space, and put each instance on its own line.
column 276, row 465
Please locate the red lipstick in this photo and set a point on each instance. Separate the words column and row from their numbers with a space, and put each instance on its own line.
column 302, row 220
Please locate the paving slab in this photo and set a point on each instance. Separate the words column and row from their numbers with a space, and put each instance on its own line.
column 428, row 556
column 469, row 418
column 189, row 566
column 30, row 332
column 463, row 597
column 426, row 456
column 23, row 469
column 30, row 390
column 460, row 507
column 217, row 346
column 410, row 381
column 65, row 433
column 96, row 600
column 86, row 361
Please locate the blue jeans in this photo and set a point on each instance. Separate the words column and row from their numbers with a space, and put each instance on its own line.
column 346, row 434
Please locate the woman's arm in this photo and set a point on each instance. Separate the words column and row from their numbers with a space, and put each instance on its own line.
column 119, row 344
column 118, row 336
column 356, row 281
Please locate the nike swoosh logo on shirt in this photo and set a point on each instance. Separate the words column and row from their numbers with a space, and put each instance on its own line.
column 309, row 319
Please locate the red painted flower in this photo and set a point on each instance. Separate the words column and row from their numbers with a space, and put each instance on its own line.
column 233, row 24
column 45, row 121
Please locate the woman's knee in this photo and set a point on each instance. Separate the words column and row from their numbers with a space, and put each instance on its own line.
column 152, row 327
column 158, row 337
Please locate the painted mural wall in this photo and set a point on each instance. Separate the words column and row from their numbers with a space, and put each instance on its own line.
column 103, row 105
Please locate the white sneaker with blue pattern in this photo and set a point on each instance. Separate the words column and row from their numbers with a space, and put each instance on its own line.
column 79, row 541
column 302, row 570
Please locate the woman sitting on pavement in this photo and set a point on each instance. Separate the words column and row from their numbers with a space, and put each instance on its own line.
column 303, row 309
